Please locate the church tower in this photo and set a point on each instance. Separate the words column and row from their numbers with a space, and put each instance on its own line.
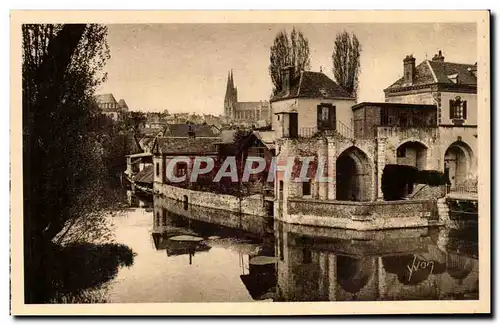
column 231, row 96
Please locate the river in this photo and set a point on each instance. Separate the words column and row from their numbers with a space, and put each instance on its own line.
column 272, row 261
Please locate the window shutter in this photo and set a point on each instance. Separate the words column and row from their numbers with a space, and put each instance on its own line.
column 465, row 110
column 319, row 117
column 332, row 116
column 451, row 108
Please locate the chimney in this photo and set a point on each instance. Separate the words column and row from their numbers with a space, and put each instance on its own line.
column 286, row 78
column 473, row 70
column 409, row 69
column 438, row 57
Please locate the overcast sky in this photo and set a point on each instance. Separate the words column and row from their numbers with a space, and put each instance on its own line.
column 184, row 67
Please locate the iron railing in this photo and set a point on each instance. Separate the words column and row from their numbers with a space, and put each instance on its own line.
column 308, row 132
column 341, row 130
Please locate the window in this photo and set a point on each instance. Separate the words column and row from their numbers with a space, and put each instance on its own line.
column 306, row 188
column 326, row 118
column 164, row 217
column 401, row 152
column 157, row 169
column 181, row 169
column 306, row 255
column 324, row 113
column 458, row 109
column 261, row 152
column 157, row 219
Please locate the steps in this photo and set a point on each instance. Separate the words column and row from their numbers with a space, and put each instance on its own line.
column 443, row 210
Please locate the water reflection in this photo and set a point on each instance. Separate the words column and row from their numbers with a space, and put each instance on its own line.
column 258, row 259
column 386, row 265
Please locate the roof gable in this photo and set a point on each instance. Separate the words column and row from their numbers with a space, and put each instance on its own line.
column 311, row 84
column 106, row 98
column 438, row 72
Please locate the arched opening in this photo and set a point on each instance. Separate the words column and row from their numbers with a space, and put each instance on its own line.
column 353, row 176
column 353, row 274
column 185, row 202
column 457, row 162
column 412, row 153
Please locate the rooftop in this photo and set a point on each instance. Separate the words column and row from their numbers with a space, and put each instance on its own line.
column 309, row 84
column 182, row 130
column 145, row 175
column 399, row 105
column 179, row 146
column 106, row 98
column 431, row 72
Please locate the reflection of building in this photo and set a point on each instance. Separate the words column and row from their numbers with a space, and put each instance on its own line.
column 343, row 267
column 243, row 111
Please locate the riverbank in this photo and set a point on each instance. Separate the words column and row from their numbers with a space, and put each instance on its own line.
column 76, row 273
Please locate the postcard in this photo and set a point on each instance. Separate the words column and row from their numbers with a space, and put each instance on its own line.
column 250, row 162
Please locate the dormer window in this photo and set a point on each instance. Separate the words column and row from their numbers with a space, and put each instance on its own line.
column 453, row 77
column 323, row 92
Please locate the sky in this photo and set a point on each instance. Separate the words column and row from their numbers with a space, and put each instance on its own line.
column 184, row 67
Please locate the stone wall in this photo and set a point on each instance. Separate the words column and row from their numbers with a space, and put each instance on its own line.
column 395, row 137
column 361, row 215
column 252, row 224
column 253, row 205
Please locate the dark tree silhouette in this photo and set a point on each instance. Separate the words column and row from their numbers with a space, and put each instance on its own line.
column 286, row 51
column 346, row 62
column 65, row 173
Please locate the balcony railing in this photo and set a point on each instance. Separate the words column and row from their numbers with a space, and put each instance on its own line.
column 463, row 188
column 308, row 132
column 341, row 129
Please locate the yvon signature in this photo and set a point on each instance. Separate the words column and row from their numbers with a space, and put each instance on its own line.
column 419, row 265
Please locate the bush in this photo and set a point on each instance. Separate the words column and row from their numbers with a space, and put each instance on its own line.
column 431, row 178
column 397, row 181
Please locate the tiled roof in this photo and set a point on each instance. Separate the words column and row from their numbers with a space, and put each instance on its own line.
column 145, row 175
column 122, row 104
column 311, row 84
column 106, row 98
column 432, row 72
column 182, row 130
column 168, row 145
column 444, row 69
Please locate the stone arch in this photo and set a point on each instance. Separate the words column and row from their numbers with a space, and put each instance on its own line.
column 353, row 274
column 458, row 159
column 353, row 175
column 412, row 152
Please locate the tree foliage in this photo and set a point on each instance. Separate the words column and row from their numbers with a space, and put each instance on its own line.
column 346, row 62
column 66, row 181
column 288, row 50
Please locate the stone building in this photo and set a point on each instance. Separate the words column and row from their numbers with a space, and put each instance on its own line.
column 452, row 87
column 310, row 102
column 110, row 107
column 351, row 144
column 243, row 111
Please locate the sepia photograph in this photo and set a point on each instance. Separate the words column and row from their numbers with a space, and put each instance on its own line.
column 250, row 162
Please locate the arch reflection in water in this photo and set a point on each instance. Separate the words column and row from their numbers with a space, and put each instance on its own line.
column 310, row 263
column 335, row 265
